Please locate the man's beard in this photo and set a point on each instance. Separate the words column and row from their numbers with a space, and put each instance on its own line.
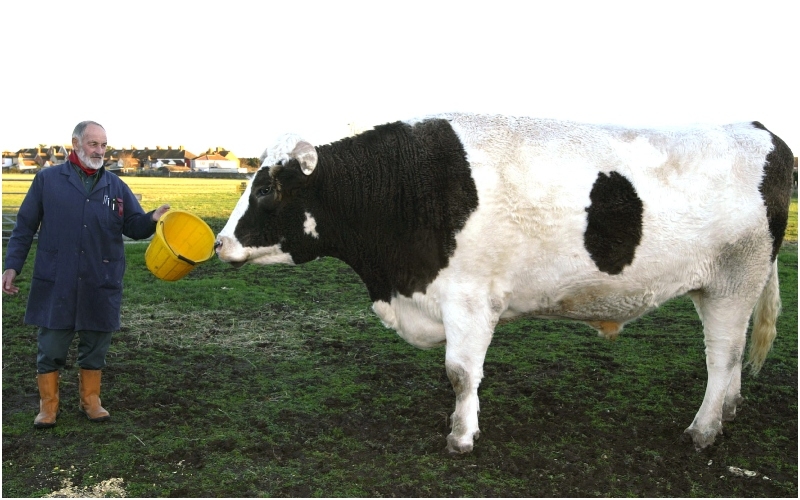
column 93, row 163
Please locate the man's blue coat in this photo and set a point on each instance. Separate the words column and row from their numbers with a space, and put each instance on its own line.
column 80, row 257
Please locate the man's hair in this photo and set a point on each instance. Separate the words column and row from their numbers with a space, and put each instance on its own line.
column 81, row 128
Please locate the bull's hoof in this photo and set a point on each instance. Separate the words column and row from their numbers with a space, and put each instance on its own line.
column 456, row 446
column 702, row 439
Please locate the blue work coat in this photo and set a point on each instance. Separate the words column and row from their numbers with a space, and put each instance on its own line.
column 80, row 257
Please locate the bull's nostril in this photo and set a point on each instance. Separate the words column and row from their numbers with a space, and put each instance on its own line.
column 217, row 244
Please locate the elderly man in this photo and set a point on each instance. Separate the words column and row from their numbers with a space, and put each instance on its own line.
column 81, row 212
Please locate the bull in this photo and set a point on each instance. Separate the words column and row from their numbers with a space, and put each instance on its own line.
column 455, row 222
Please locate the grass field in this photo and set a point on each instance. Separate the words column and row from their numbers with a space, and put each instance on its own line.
column 280, row 381
column 206, row 198
column 791, row 230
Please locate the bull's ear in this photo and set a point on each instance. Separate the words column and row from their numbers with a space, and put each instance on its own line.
column 306, row 154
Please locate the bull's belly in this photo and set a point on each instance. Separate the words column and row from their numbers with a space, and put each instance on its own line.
column 587, row 305
column 605, row 306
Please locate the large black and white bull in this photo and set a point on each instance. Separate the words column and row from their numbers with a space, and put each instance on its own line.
column 458, row 221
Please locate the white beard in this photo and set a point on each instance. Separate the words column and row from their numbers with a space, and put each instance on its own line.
column 88, row 162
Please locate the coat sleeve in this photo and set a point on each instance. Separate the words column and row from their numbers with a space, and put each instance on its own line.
column 137, row 224
column 28, row 219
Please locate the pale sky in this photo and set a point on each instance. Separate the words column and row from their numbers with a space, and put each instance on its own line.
column 236, row 74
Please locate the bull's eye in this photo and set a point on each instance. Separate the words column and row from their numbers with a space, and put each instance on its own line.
column 264, row 191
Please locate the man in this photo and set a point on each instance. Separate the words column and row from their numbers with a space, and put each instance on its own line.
column 81, row 212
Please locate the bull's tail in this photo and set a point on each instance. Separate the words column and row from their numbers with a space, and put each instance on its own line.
column 765, row 317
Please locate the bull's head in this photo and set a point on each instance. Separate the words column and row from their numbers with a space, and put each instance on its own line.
column 272, row 217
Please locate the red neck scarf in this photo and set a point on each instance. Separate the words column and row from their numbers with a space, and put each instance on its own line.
column 73, row 158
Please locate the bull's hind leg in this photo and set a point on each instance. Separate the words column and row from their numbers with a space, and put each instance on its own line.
column 468, row 338
column 725, row 329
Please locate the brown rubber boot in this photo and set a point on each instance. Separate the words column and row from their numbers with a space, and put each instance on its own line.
column 89, row 388
column 48, row 400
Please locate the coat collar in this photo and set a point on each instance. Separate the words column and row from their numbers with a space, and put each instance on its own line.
column 74, row 178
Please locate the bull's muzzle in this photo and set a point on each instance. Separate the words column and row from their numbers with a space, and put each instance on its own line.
column 220, row 248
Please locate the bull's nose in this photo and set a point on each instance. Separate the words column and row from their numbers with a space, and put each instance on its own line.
column 226, row 250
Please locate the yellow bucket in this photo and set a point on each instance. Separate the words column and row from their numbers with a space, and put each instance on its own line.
column 182, row 241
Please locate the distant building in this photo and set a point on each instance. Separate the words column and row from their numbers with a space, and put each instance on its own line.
column 8, row 159
column 131, row 159
column 35, row 158
column 217, row 160
column 26, row 165
column 214, row 163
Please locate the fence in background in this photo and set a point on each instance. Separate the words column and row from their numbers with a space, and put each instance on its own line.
column 10, row 212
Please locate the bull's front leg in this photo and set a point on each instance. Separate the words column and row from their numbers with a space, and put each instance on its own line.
column 468, row 338
column 464, row 420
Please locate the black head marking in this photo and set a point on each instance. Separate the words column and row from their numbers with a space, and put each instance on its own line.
column 614, row 227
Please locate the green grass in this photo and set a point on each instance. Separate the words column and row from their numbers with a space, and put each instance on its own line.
column 791, row 230
column 206, row 198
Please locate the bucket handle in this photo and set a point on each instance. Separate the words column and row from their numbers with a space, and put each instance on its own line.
column 181, row 257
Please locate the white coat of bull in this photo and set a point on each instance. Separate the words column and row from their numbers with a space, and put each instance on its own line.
column 705, row 230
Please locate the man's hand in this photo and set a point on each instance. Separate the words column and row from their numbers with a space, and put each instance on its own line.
column 8, row 282
column 160, row 211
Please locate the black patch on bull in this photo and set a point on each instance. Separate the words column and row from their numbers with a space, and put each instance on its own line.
column 776, row 188
column 388, row 202
column 614, row 227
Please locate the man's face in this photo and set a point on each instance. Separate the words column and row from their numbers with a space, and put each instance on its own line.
column 92, row 148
